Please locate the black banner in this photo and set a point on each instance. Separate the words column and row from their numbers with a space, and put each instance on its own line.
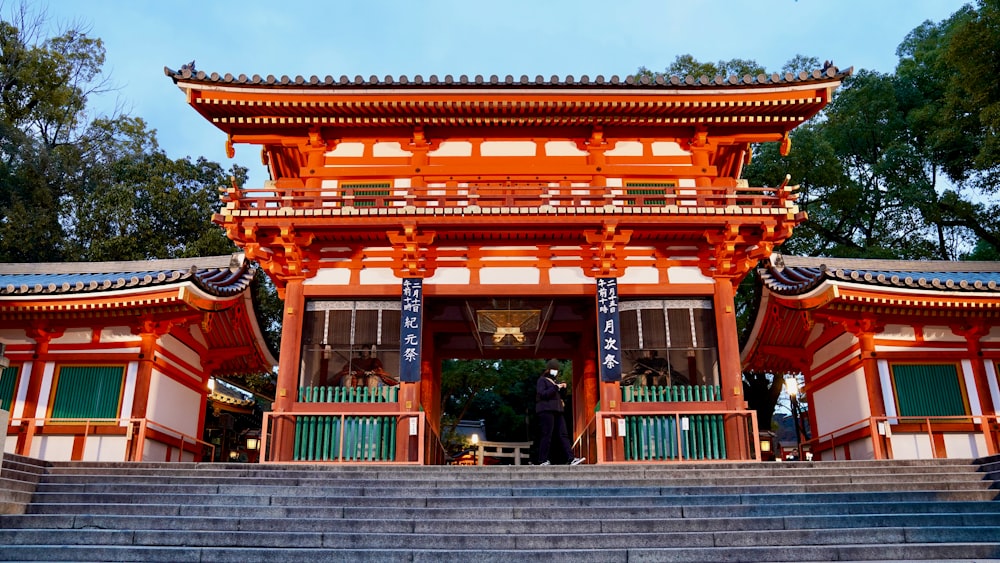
column 410, row 328
column 608, row 330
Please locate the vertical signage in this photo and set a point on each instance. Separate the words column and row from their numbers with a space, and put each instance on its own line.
column 608, row 330
column 411, row 322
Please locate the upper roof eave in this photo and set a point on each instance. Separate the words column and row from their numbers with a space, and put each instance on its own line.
column 798, row 275
column 829, row 75
column 218, row 276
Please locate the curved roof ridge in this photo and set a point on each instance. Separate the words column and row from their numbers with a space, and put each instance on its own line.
column 884, row 265
column 125, row 266
column 188, row 73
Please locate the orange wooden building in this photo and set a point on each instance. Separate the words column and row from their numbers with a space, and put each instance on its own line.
column 112, row 361
column 602, row 221
column 900, row 358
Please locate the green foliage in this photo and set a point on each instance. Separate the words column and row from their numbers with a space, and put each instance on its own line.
column 502, row 392
column 76, row 188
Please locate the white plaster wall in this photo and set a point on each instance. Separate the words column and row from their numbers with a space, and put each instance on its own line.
column 52, row 448
column 971, row 390
column 563, row 148
column 181, row 351
column 347, row 149
column 11, row 336
column 378, row 276
column 105, row 448
column 154, row 451
column 75, row 336
column 452, row 148
column 10, row 444
column 862, row 449
column 450, row 276
column 508, row 148
column 44, row 393
column 387, row 148
column 964, row 446
column 173, row 405
column 668, row 148
column 640, row 274
column 831, row 350
column 128, row 394
column 118, row 334
column 941, row 334
column 626, row 148
column 330, row 276
column 840, row 403
column 509, row 276
column 567, row 276
column 21, row 394
column 991, row 378
column 911, row 446
column 687, row 274
column 898, row 332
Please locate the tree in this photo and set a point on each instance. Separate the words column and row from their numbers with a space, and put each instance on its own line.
column 501, row 392
column 78, row 188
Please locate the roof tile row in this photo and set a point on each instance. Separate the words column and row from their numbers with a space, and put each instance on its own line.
column 189, row 74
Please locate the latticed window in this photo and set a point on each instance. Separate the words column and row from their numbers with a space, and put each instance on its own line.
column 648, row 192
column 349, row 337
column 8, row 386
column 928, row 390
column 367, row 194
column 88, row 392
column 669, row 342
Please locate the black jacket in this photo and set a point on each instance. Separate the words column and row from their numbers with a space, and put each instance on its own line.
column 547, row 395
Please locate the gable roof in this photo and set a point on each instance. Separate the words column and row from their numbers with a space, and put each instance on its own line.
column 795, row 275
column 220, row 276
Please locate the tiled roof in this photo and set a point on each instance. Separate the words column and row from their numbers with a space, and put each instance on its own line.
column 793, row 275
column 216, row 275
column 189, row 74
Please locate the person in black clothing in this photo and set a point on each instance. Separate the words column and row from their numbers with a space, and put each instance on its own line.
column 551, row 423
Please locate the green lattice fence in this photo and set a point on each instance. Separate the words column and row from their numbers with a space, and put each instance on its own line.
column 345, row 438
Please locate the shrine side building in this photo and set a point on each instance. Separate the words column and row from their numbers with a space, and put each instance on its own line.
column 602, row 221
column 900, row 358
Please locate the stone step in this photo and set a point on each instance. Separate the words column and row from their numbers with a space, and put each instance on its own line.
column 487, row 539
column 531, row 511
column 501, row 497
column 857, row 553
column 59, row 522
column 368, row 488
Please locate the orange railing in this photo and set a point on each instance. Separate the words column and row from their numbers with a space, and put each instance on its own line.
column 278, row 195
column 657, row 436
column 881, row 429
column 135, row 432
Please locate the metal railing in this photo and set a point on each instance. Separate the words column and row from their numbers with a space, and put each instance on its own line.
column 135, row 431
column 880, row 430
column 290, row 195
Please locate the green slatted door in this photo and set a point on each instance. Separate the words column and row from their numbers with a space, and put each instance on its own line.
column 928, row 390
column 8, row 386
column 88, row 392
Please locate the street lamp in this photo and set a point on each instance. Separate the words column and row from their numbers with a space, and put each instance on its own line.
column 792, row 387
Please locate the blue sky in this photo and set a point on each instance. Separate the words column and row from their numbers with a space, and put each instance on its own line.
column 397, row 37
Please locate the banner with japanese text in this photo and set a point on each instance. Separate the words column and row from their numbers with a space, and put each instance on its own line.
column 608, row 330
column 411, row 324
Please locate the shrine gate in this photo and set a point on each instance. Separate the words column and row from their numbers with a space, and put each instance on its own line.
column 602, row 221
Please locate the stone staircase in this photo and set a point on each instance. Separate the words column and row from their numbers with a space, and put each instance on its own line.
column 823, row 511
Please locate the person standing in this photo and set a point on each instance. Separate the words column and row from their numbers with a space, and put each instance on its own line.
column 551, row 423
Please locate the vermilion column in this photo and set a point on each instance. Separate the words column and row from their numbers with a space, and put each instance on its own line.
column 730, row 369
column 283, row 431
